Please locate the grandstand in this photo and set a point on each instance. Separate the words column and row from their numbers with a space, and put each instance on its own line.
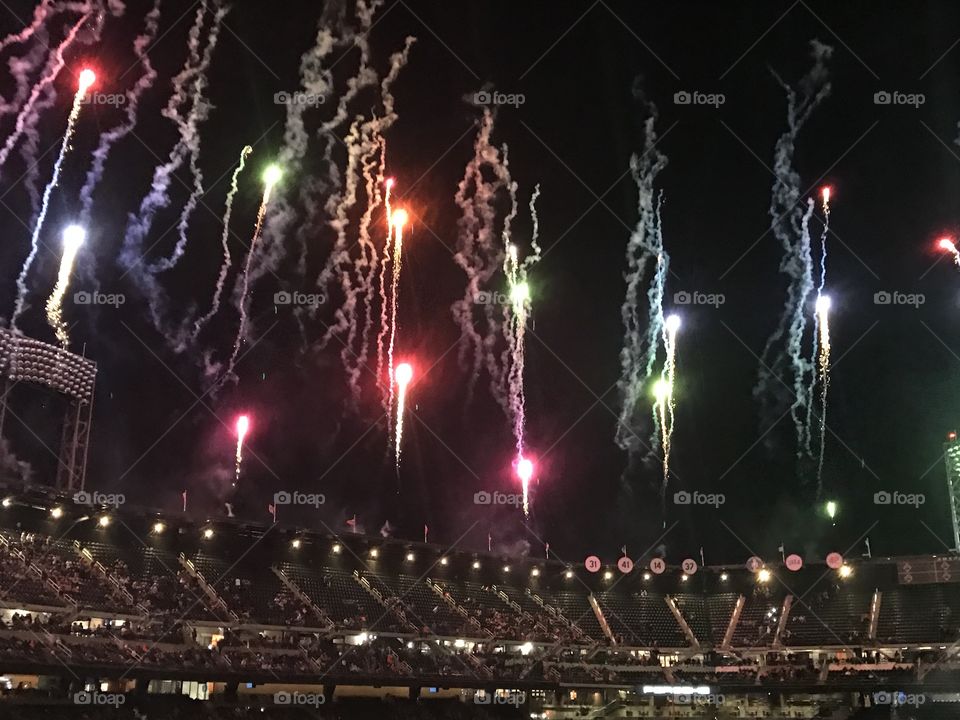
column 161, row 609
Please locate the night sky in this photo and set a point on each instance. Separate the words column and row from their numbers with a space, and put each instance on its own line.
column 586, row 71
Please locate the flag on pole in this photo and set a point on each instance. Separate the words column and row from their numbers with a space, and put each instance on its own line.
column 184, row 496
column 426, row 532
column 546, row 550
column 703, row 563
column 623, row 550
column 352, row 523
column 272, row 509
column 783, row 558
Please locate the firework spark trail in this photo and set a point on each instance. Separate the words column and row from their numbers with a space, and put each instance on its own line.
column 87, row 78
column 224, row 242
column 108, row 139
column 642, row 335
column 518, row 314
column 783, row 354
column 190, row 138
column 73, row 238
column 664, row 403
column 54, row 67
column 479, row 248
column 403, row 375
column 133, row 253
column 270, row 178
column 243, row 427
column 816, row 344
column 386, row 397
column 823, row 365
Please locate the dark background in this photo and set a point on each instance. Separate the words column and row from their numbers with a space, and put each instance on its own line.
column 895, row 173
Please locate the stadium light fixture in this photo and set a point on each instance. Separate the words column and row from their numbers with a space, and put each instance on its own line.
column 411, row 557
column 684, row 577
column 296, row 543
column 56, row 513
column 207, row 533
column 476, row 564
column 568, row 574
column 608, row 575
column 535, row 572
column 646, row 576
column 506, row 568
column 374, row 553
column 104, row 521
column 443, row 561
column 763, row 576
column 845, row 571
column 158, row 528
column 336, row 548
column 724, row 577
column 7, row 502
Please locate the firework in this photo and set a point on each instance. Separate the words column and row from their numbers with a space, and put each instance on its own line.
column 224, row 237
column 947, row 244
column 823, row 367
column 271, row 176
column 642, row 310
column 73, row 238
column 663, row 389
column 85, row 81
column 384, row 302
column 784, row 359
column 403, row 374
column 243, row 427
column 815, row 375
column 393, row 255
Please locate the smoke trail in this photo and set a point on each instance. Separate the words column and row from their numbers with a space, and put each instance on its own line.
column 230, row 375
column 110, row 138
column 642, row 336
column 480, row 252
column 783, row 354
column 133, row 253
column 84, row 85
column 224, row 241
column 199, row 112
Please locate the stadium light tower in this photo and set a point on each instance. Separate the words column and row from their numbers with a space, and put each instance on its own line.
column 951, row 455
